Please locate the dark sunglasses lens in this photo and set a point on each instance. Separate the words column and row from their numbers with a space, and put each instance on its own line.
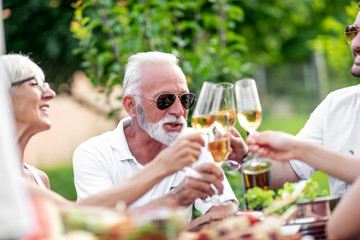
column 165, row 100
column 187, row 100
column 350, row 33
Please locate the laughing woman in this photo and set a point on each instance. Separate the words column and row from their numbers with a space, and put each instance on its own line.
column 30, row 100
column 30, row 96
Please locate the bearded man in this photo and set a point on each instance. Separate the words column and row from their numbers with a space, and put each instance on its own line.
column 157, row 99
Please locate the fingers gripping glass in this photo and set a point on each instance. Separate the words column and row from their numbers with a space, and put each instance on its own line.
column 165, row 100
column 351, row 32
column 44, row 86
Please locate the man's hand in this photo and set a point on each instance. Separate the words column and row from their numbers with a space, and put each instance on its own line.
column 215, row 213
column 239, row 148
column 182, row 152
column 193, row 188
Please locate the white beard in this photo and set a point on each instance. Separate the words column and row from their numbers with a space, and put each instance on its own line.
column 156, row 130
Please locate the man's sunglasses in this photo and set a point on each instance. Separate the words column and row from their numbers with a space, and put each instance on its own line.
column 351, row 32
column 165, row 100
column 44, row 86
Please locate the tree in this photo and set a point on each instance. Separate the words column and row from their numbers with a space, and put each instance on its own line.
column 41, row 29
column 216, row 40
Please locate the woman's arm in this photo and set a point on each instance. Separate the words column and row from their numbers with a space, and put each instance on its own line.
column 344, row 222
column 36, row 192
column 282, row 147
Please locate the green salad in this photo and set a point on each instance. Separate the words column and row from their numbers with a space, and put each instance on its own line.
column 277, row 202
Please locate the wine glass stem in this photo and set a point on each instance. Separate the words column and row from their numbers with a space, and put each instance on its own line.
column 255, row 155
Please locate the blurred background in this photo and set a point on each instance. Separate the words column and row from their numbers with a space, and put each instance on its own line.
column 295, row 50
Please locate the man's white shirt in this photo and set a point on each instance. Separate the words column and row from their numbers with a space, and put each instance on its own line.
column 334, row 124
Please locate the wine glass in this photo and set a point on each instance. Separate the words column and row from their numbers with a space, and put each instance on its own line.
column 202, row 119
column 224, row 97
column 248, row 105
column 219, row 147
column 255, row 170
column 226, row 101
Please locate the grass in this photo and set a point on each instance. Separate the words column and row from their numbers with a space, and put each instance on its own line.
column 62, row 177
column 62, row 180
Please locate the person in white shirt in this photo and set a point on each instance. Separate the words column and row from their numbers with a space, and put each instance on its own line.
column 334, row 124
column 157, row 99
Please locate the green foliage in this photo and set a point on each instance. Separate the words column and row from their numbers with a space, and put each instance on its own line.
column 40, row 28
column 215, row 40
column 276, row 30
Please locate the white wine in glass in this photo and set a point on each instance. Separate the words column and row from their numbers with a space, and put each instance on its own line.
column 202, row 119
column 250, row 120
column 225, row 100
column 220, row 149
column 219, row 146
column 248, row 105
column 203, row 123
column 224, row 104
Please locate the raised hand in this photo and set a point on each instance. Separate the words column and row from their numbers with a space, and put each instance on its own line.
column 182, row 152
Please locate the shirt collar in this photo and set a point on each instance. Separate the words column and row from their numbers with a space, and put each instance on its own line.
column 118, row 140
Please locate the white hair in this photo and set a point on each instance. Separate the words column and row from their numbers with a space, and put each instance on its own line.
column 133, row 71
column 15, row 67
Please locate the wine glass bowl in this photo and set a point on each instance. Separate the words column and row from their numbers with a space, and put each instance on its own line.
column 202, row 119
column 202, row 123
column 224, row 100
column 248, row 107
column 219, row 145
